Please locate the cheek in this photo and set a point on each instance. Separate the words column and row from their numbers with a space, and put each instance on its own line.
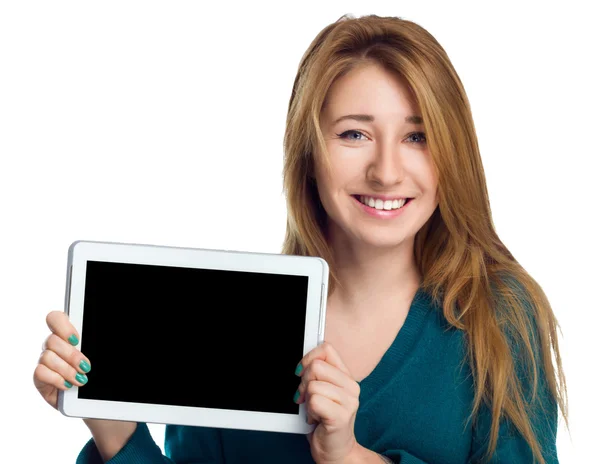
column 338, row 178
column 423, row 171
column 332, row 189
column 432, row 174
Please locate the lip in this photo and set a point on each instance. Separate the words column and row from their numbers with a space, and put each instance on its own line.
column 380, row 197
column 383, row 213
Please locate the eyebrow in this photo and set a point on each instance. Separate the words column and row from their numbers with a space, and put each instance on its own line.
column 414, row 119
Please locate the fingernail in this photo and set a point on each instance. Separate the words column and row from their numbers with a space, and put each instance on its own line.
column 299, row 369
column 68, row 384
column 73, row 340
column 85, row 367
column 81, row 378
column 296, row 396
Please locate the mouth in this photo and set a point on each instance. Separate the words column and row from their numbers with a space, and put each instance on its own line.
column 389, row 205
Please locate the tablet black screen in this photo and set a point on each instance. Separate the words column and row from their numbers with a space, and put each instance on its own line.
column 193, row 337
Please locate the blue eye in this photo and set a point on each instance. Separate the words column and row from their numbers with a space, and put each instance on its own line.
column 421, row 134
column 343, row 135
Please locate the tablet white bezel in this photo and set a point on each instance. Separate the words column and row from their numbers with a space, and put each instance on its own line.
column 81, row 251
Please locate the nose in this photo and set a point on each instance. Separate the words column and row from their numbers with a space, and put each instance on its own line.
column 386, row 169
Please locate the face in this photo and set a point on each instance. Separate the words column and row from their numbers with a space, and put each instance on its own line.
column 381, row 157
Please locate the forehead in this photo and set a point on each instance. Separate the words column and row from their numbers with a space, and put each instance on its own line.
column 369, row 89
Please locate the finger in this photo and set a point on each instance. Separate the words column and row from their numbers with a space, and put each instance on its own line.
column 43, row 376
column 324, row 410
column 348, row 404
column 326, row 352
column 310, row 418
column 55, row 363
column 326, row 389
column 321, row 370
column 69, row 353
column 59, row 323
column 309, row 435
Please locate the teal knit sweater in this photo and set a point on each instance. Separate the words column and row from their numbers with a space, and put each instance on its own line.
column 413, row 408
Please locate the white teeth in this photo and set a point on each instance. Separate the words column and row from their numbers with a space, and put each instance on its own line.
column 380, row 204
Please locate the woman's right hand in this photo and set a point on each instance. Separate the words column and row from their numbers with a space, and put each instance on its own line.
column 61, row 365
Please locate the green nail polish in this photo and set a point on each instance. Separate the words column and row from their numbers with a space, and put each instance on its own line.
column 296, row 396
column 299, row 369
column 68, row 384
column 81, row 378
column 73, row 340
column 85, row 366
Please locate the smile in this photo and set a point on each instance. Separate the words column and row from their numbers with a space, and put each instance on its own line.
column 382, row 209
column 382, row 205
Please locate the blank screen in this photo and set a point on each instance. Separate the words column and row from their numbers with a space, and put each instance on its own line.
column 193, row 337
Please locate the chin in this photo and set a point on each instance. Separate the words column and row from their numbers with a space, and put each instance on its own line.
column 385, row 240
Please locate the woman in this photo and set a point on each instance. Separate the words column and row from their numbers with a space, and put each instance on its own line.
column 437, row 341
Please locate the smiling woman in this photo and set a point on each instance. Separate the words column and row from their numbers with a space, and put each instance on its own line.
column 389, row 163
column 378, row 112
column 438, row 343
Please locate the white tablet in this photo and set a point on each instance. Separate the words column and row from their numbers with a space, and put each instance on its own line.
column 193, row 336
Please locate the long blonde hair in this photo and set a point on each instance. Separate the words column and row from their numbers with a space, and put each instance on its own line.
column 467, row 269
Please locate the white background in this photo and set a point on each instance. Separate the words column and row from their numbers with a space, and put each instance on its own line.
column 162, row 123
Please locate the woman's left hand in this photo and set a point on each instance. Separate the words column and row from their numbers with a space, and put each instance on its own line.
column 331, row 396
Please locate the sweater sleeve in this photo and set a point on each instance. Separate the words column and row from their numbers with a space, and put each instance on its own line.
column 139, row 449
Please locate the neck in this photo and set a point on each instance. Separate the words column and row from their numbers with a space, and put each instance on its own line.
column 374, row 279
